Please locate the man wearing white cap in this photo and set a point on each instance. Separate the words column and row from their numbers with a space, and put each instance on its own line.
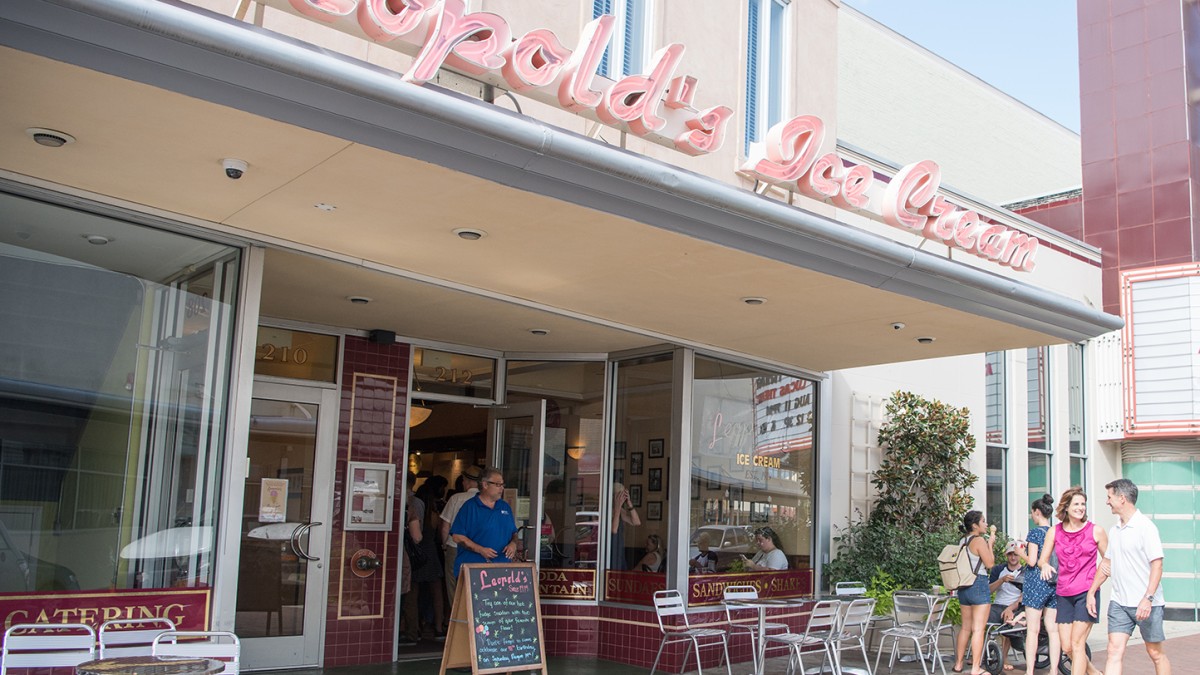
column 471, row 488
column 1008, row 597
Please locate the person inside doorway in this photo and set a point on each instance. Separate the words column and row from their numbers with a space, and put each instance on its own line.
column 485, row 528
column 654, row 560
column 770, row 556
column 470, row 482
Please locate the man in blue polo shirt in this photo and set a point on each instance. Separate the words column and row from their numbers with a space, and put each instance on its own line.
column 485, row 529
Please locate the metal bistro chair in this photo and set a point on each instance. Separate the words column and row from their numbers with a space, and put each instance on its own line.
column 915, row 620
column 218, row 645
column 739, row 625
column 670, row 603
column 849, row 588
column 42, row 645
column 822, row 625
column 131, row 637
column 852, row 631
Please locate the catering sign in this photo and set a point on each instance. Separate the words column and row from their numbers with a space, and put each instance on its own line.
column 188, row 609
column 441, row 33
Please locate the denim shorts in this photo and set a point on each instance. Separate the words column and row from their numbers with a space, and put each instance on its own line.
column 1122, row 619
column 1072, row 608
column 975, row 594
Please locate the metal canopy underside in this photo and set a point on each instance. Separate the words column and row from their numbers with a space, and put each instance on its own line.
column 607, row 249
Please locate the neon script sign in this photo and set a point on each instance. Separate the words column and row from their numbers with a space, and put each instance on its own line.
column 910, row 201
column 656, row 106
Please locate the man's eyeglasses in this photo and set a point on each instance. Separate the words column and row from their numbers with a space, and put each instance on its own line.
column 492, row 482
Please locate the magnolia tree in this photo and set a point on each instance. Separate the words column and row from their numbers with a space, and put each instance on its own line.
column 922, row 485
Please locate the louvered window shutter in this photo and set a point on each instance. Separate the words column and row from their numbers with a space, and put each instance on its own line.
column 601, row 7
column 752, row 72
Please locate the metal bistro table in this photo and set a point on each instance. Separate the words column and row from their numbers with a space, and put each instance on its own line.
column 761, row 606
column 151, row 665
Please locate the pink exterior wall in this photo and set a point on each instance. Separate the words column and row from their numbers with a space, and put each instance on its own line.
column 1137, row 186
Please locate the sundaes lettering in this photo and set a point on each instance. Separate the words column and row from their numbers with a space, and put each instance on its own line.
column 910, row 201
column 656, row 105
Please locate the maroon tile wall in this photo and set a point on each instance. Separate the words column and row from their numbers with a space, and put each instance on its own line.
column 360, row 616
column 1137, row 175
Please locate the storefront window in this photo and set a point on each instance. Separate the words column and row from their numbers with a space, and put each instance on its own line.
column 1037, row 384
column 568, row 539
column 997, row 486
column 635, row 524
column 1075, row 424
column 752, row 468
column 114, row 375
column 995, row 390
column 452, row 374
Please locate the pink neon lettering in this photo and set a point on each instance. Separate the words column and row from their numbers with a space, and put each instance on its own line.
column 1018, row 253
column 324, row 10
column 855, row 184
column 990, row 244
column 534, row 60
column 681, row 92
column 940, row 226
column 909, row 190
column 791, row 147
column 471, row 43
column 635, row 99
column 380, row 20
column 966, row 229
column 822, row 180
column 575, row 92
column 706, row 131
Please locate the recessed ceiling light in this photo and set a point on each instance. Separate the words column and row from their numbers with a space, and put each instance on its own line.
column 754, row 301
column 325, row 207
column 539, row 331
column 358, row 299
column 468, row 233
column 97, row 239
column 926, row 340
column 49, row 137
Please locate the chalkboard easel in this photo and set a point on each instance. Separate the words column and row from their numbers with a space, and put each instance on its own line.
column 496, row 620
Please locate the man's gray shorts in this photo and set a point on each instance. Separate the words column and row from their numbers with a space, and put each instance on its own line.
column 1122, row 619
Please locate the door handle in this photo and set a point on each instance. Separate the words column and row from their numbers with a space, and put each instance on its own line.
column 292, row 541
column 301, row 552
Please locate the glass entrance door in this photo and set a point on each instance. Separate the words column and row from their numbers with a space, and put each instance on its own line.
column 285, row 524
column 518, row 437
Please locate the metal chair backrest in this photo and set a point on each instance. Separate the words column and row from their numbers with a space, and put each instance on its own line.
column 857, row 616
column 744, row 593
column 910, row 609
column 218, row 645
column 849, row 588
column 670, row 603
column 131, row 637
column 937, row 614
column 41, row 645
column 823, row 619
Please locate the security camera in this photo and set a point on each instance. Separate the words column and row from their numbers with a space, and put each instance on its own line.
column 234, row 168
column 899, row 325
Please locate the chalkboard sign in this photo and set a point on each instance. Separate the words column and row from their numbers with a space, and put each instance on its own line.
column 496, row 620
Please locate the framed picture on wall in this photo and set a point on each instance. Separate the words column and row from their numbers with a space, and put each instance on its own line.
column 619, row 450
column 618, row 475
column 635, row 463
column 635, row 495
column 656, row 448
column 654, row 511
column 655, row 480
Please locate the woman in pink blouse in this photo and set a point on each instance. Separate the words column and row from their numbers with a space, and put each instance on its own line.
column 1080, row 545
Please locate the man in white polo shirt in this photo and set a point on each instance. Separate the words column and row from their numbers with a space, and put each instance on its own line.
column 470, row 489
column 1135, row 561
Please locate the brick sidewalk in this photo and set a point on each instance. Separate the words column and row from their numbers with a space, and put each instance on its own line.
column 1182, row 651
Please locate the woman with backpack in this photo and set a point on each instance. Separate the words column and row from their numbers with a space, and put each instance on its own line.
column 976, row 599
column 1077, row 541
column 1037, row 594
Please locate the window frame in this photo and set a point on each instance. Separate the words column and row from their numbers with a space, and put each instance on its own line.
column 768, row 44
column 618, row 60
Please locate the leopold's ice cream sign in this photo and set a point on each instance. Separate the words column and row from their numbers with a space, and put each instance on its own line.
column 910, row 201
column 658, row 107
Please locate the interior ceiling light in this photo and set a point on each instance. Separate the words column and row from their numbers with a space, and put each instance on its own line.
column 358, row 299
column 327, row 208
column 926, row 340
column 539, row 331
column 754, row 301
column 418, row 414
column 470, row 234
column 97, row 239
column 576, row 452
column 49, row 137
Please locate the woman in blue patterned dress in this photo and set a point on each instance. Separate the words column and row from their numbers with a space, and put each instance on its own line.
column 1038, row 595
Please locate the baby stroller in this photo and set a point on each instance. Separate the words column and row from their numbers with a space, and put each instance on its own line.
column 993, row 650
